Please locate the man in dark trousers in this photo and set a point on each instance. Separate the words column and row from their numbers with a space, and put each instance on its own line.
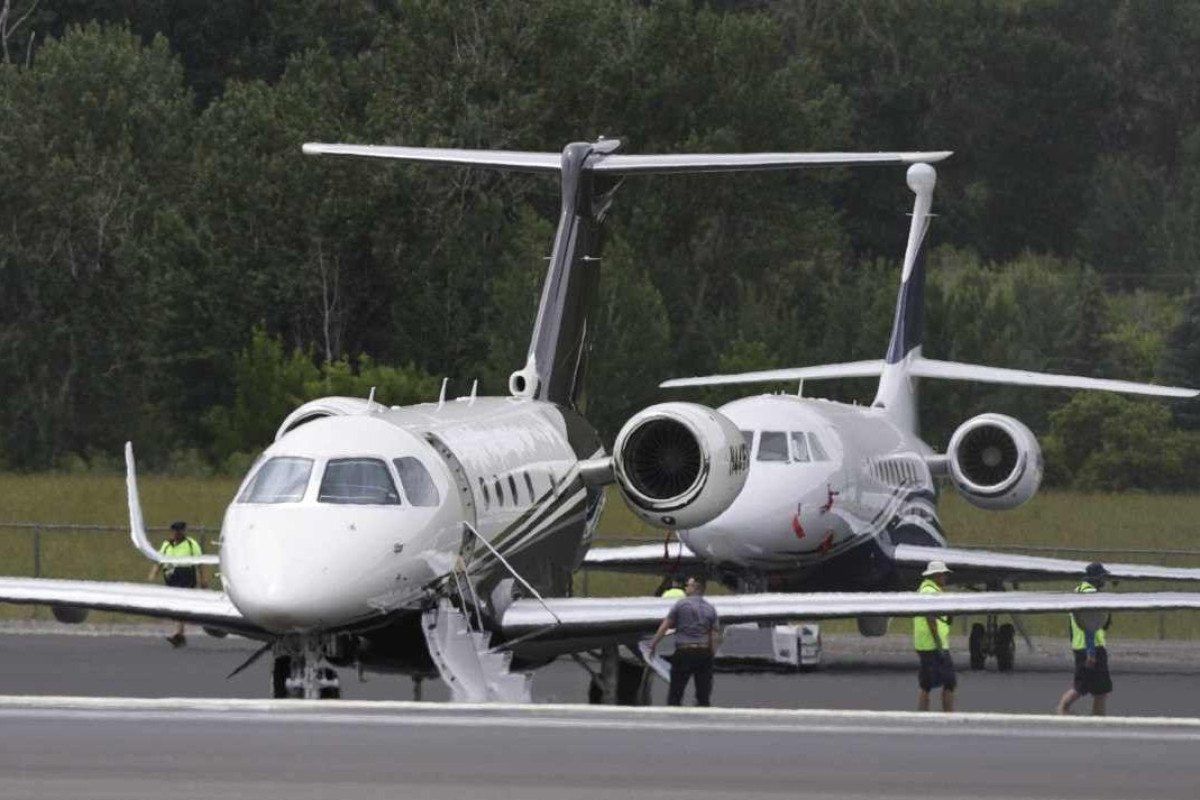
column 179, row 545
column 695, row 623
column 1091, row 656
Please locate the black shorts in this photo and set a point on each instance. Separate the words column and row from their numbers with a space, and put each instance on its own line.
column 937, row 669
column 182, row 577
column 1095, row 680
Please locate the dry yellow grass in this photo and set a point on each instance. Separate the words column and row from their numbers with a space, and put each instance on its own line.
column 1089, row 522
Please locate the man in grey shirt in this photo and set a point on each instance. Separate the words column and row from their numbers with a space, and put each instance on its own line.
column 695, row 623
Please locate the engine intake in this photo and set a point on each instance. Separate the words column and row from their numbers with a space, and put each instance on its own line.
column 995, row 462
column 679, row 465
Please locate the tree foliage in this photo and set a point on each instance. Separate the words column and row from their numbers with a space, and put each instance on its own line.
column 173, row 271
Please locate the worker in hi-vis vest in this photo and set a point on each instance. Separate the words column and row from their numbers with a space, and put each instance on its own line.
column 1091, row 655
column 180, row 545
column 931, row 639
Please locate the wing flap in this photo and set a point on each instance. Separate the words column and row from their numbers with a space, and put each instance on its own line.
column 199, row 606
column 982, row 564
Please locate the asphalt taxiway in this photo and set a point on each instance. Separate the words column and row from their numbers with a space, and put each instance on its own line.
column 1151, row 678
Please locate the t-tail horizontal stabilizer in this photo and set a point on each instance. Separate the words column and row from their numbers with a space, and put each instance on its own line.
column 137, row 526
column 617, row 164
column 920, row 367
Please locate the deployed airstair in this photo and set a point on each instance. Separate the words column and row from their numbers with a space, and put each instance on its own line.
column 474, row 673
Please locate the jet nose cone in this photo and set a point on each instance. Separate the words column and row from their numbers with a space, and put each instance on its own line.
column 282, row 578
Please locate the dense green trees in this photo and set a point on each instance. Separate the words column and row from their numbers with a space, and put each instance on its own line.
column 172, row 270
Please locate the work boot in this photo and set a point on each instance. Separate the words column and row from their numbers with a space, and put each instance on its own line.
column 177, row 640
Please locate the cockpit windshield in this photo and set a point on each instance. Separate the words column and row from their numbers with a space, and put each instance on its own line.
column 773, row 446
column 358, row 481
column 281, row 480
column 417, row 482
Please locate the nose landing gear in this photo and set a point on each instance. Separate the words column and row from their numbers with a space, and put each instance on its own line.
column 301, row 669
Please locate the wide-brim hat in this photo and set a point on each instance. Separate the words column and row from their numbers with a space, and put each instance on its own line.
column 935, row 568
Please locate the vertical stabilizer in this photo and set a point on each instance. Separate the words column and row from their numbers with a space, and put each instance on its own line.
column 557, row 362
column 897, row 387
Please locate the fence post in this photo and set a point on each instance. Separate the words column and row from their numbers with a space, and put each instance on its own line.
column 37, row 552
column 1162, row 625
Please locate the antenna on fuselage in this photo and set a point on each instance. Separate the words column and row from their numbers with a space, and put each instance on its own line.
column 474, row 391
column 800, row 388
column 370, row 401
column 442, row 394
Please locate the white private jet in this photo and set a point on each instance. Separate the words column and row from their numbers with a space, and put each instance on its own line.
column 842, row 497
column 440, row 539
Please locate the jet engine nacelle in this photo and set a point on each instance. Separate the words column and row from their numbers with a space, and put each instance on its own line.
column 679, row 465
column 995, row 462
column 325, row 407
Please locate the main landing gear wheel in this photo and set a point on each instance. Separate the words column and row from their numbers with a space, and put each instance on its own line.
column 993, row 640
column 1006, row 647
column 976, row 645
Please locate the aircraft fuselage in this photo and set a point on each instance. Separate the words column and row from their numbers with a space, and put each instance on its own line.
column 346, row 520
column 830, row 485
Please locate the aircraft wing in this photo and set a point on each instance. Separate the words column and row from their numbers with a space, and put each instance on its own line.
column 199, row 606
column 980, row 566
column 643, row 559
column 583, row 618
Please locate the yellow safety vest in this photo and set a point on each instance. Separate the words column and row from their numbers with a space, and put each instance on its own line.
column 188, row 547
column 922, row 636
column 1078, row 637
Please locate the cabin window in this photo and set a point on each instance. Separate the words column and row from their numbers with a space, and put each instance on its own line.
column 417, row 482
column 512, row 490
column 281, row 480
column 358, row 481
column 498, row 490
column 800, row 448
column 529, row 486
column 748, row 438
column 487, row 498
column 818, row 452
column 773, row 446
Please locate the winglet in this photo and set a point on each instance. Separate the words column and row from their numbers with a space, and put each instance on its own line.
column 137, row 524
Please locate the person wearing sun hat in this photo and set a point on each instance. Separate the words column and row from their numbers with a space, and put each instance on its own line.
column 1091, row 655
column 931, row 639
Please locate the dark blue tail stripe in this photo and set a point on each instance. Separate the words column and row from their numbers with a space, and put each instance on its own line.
column 908, row 329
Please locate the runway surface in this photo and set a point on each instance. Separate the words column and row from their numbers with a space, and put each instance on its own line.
column 298, row 750
column 1151, row 679
column 112, row 746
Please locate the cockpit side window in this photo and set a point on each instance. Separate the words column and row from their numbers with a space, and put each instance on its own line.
column 800, row 448
column 818, row 452
column 773, row 446
column 281, row 480
column 417, row 482
column 358, row 481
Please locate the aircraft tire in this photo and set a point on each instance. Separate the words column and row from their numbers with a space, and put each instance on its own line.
column 280, row 671
column 975, row 644
column 1006, row 647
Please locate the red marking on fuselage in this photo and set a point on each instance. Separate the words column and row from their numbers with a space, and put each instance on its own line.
column 826, row 543
column 797, row 528
column 829, row 501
